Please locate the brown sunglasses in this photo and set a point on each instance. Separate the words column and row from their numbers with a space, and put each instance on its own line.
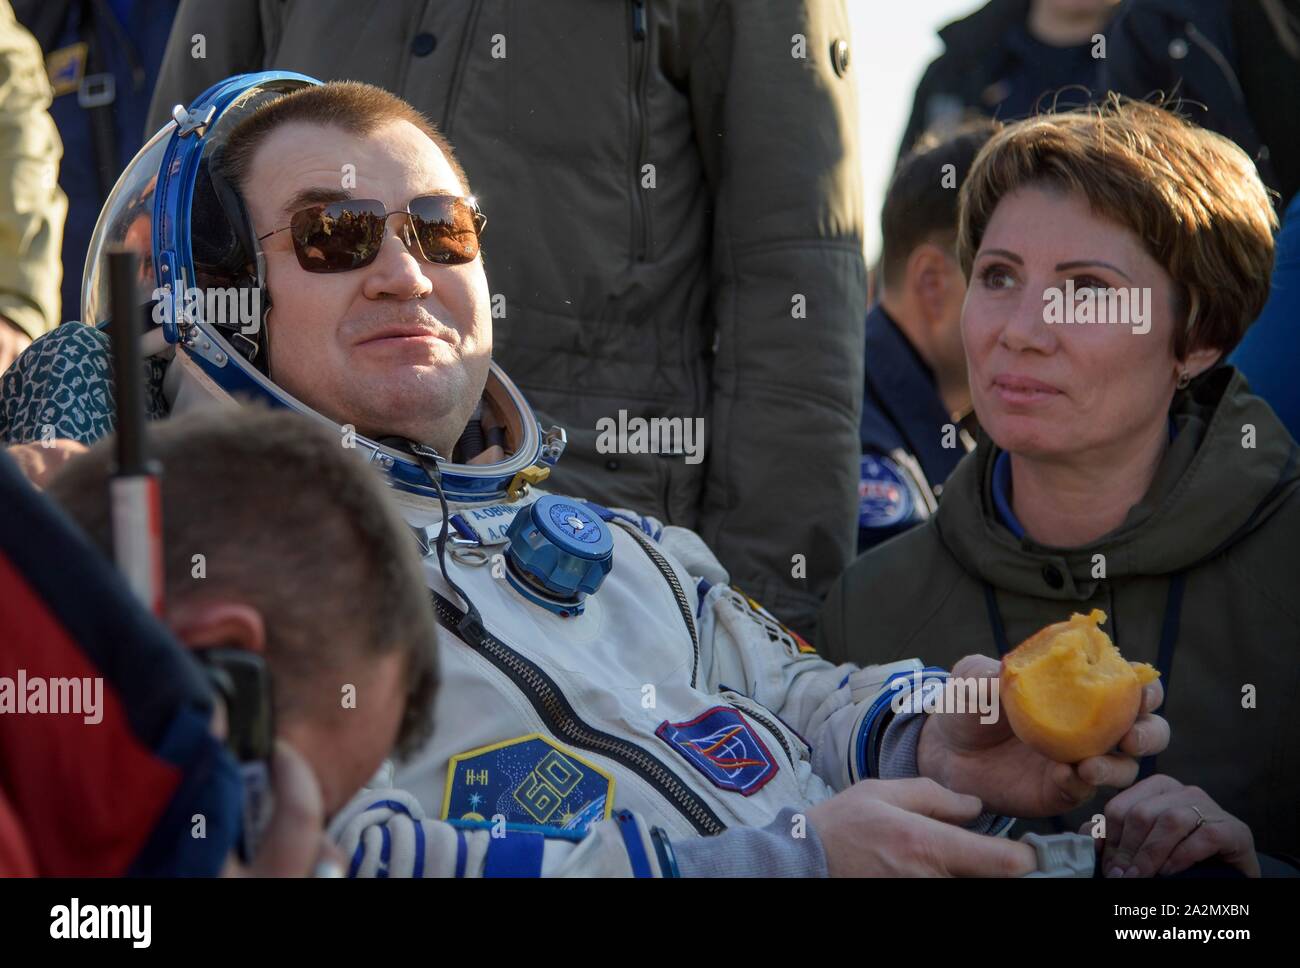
column 347, row 234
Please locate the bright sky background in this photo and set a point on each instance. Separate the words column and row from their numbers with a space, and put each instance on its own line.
column 892, row 41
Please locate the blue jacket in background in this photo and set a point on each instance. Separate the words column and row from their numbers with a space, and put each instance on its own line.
column 906, row 453
column 1269, row 353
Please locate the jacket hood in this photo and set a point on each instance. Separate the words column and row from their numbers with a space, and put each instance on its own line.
column 1210, row 491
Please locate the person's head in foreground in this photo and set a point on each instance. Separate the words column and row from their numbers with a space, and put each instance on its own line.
column 279, row 541
column 1115, row 256
column 385, row 325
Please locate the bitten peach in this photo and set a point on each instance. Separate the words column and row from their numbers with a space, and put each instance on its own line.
column 1067, row 691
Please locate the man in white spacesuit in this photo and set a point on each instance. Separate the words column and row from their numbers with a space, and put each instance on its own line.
column 599, row 660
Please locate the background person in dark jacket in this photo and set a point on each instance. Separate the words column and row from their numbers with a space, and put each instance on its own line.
column 676, row 232
column 916, row 414
column 1268, row 354
column 1008, row 60
column 1236, row 69
column 1235, row 66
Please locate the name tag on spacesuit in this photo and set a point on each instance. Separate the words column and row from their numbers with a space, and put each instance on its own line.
column 488, row 524
column 528, row 780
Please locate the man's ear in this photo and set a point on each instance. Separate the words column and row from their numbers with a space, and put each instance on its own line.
column 929, row 276
column 206, row 625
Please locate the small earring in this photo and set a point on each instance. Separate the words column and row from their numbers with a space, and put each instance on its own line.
column 1184, row 379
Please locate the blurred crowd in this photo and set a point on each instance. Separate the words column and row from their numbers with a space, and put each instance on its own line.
column 903, row 469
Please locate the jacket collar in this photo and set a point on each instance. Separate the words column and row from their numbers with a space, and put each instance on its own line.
column 1000, row 488
column 1208, row 493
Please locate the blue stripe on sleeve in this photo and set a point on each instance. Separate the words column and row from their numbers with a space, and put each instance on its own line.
column 632, row 841
column 385, row 851
column 393, row 805
column 418, row 870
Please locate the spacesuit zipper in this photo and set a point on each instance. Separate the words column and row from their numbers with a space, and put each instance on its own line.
column 679, row 593
column 771, row 728
column 563, row 722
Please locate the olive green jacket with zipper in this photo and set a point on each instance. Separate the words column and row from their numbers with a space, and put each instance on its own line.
column 675, row 224
column 1208, row 561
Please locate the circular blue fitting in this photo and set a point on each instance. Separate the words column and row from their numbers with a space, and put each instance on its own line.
column 562, row 549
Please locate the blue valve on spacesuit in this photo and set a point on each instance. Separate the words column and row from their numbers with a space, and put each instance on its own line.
column 559, row 553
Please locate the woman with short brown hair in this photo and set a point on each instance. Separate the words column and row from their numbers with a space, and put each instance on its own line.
column 1115, row 255
column 1190, row 195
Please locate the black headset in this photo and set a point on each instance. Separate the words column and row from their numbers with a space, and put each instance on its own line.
column 225, row 252
column 243, row 681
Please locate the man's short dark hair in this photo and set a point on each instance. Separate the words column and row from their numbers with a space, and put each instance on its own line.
column 921, row 204
column 292, row 523
column 350, row 105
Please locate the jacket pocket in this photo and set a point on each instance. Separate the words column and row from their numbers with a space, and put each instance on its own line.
column 642, row 180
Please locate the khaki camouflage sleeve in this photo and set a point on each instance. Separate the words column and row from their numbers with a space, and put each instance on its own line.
column 32, row 206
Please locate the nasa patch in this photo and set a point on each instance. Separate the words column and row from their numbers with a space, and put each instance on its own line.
column 884, row 496
column 724, row 747
column 528, row 780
